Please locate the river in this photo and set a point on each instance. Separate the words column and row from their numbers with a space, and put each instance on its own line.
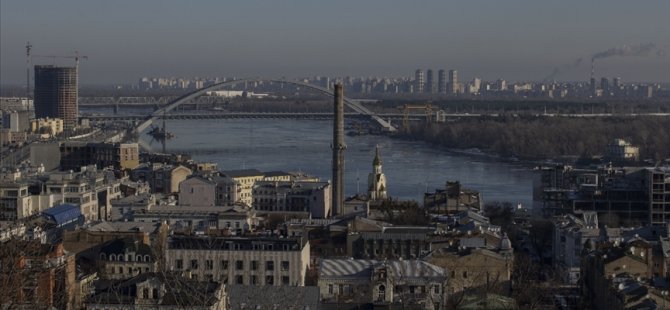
column 411, row 167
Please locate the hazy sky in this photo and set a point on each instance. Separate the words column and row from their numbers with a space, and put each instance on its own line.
column 513, row 39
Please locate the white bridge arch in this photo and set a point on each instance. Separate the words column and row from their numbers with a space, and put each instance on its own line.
column 199, row 92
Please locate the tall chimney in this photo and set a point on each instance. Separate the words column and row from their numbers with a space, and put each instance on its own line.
column 338, row 147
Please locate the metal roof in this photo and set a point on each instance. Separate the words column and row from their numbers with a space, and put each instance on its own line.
column 63, row 214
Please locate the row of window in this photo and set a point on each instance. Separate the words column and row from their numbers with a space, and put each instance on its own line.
column 242, row 280
column 122, row 257
column 113, row 270
column 239, row 265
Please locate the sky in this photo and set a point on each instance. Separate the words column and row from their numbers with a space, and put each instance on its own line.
column 511, row 39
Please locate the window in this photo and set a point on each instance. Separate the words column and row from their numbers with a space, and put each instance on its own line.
column 284, row 265
column 145, row 293
column 269, row 280
column 254, row 280
column 209, row 264
column 254, row 265
column 154, row 293
column 121, row 270
column 412, row 289
column 436, row 289
column 239, row 280
column 285, row 280
column 130, row 270
column 330, row 288
column 194, row 264
column 465, row 274
column 224, row 264
column 179, row 264
column 239, row 265
column 270, row 265
column 209, row 277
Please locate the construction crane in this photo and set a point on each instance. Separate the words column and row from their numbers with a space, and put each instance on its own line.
column 407, row 107
column 76, row 58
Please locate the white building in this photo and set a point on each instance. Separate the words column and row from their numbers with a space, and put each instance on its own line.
column 240, row 260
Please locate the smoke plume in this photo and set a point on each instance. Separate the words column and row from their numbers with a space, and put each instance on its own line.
column 625, row 50
column 566, row 67
column 621, row 51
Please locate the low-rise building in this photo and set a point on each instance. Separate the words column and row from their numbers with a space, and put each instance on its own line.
column 311, row 199
column 240, row 260
column 246, row 179
column 476, row 269
column 453, row 198
column 123, row 208
column 236, row 219
column 369, row 239
column 161, row 178
column 36, row 275
column 197, row 191
column 126, row 258
column 159, row 291
column 47, row 126
column 406, row 283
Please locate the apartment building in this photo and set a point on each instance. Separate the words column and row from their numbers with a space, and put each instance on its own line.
column 240, row 260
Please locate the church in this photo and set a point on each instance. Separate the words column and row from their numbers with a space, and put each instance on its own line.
column 377, row 180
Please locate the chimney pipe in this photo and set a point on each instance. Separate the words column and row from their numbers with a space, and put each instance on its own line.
column 338, row 148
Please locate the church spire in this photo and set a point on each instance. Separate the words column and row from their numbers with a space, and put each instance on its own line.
column 378, row 158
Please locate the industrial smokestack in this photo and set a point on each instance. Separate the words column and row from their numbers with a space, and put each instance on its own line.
column 338, row 147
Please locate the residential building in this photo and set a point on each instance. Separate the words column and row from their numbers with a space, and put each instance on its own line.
column 419, row 82
column 452, row 199
column 570, row 235
column 238, row 219
column 622, row 151
column 124, row 208
column 159, row 291
column 476, row 268
column 161, row 178
column 405, row 283
column 47, row 126
column 240, row 260
column 441, row 82
column 126, row 258
column 453, row 82
column 197, row 191
column 36, row 275
column 310, row 199
column 118, row 155
column 243, row 297
column 246, row 179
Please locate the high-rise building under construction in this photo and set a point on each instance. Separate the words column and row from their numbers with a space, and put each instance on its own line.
column 56, row 94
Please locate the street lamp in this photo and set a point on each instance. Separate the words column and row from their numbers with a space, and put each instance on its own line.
column 665, row 295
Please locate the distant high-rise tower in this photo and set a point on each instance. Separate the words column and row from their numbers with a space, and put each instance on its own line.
column 442, row 81
column 593, row 85
column 429, row 82
column 376, row 179
column 419, row 81
column 56, row 94
column 453, row 82
column 605, row 85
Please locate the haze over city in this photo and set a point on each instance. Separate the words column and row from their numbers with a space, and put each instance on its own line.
column 516, row 40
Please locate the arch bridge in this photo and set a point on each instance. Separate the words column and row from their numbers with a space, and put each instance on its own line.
column 355, row 106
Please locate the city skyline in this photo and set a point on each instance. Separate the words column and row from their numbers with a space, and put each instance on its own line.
column 515, row 40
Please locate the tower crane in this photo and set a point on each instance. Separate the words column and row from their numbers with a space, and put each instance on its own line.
column 76, row 58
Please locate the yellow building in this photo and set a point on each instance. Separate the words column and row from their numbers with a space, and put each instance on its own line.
column 246, row 179
column 47, row 126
